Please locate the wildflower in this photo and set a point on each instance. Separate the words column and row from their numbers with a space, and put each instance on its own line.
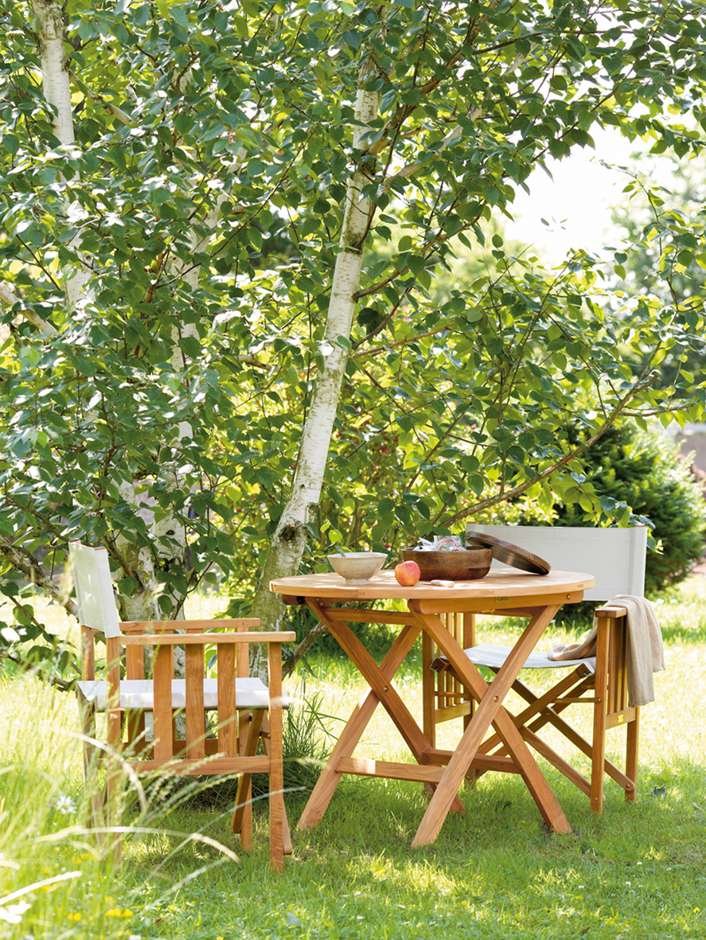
column 118, row 912
column 13, row 913
column 74, row 916
column 65, row 805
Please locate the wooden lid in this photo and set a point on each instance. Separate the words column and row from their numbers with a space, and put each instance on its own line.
column 508, row 553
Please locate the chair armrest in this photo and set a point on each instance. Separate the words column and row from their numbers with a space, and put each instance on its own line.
column 187, row 639
column 171, row 626
column 610, row 612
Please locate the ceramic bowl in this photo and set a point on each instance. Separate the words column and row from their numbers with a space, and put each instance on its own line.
column 357, row 567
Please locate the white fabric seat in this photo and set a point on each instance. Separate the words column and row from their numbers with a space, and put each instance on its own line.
column 486, row 654
column 250, row 692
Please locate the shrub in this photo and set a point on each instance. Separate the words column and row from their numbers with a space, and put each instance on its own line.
column 645, row 470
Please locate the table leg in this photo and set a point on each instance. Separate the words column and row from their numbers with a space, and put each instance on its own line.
column 489, row 711
column 325, row 787
column 386, row 694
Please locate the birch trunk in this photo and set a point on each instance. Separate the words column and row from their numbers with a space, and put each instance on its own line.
column 51, row 31
column 57, row 90
column 289, row 540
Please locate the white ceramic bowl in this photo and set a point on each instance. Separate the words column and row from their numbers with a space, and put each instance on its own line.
column 357, row 567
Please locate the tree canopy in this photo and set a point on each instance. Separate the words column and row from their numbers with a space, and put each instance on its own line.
column 171, row 228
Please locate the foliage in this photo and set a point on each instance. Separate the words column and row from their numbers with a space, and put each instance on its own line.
column 202, row 203
column 646, row 472
column 647, row 221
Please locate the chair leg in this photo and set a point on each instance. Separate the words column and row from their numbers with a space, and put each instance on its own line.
column 114, row 781
column 599, row 716
column 286, row 832
column 242, row 815
column 429, row 682
column 88, row 727
column 631, row 763
column 91, row 765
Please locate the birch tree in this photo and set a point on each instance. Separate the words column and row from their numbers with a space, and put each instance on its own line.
column 231, row 278
column 473, row 97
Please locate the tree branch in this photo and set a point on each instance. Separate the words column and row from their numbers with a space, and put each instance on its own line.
column 9, row 297
column 566, row 459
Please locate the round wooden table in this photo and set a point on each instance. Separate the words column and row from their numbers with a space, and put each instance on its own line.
column 535, row 597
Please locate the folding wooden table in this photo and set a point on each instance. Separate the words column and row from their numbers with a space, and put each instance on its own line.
column 537, row 598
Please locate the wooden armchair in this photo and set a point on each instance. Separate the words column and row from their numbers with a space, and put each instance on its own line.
column 616, row 558
column 247, row 710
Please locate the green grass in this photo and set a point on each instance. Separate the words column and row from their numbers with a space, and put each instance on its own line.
column 638, row 871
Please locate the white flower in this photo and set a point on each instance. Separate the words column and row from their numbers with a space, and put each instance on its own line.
column 13, row 913
column 65, row 805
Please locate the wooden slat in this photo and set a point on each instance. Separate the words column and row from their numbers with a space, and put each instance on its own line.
column 112, row 651
column 135, row 662
column 490, row 605
column 216, row 765
column 276, row 799
column 172, row 626
column 469, row 639
column 365, row 767
column 195, row 714
column 154, row 639
column 351, row 615
column 429, row 681
column 451, row 712
column 444, row 677
column 227, row 741
column 481, row 762
column 163, row 743
column 248, row 726
column 210, row 746
column 611, row 612
column 599, row 715
column 618, row 719
column 624, row 672
column 631, row 765
column 135, row 720
column 88, row 653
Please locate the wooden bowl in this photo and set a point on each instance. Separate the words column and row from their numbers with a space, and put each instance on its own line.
column 467, row 565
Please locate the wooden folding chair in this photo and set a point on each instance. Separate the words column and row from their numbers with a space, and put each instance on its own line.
column 247, row 710
column 616, row 558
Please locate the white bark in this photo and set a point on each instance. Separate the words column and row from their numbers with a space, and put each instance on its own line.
column 289, row 539
column 9, row 297
column 57, row 91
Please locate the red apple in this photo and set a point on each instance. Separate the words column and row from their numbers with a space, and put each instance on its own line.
column 407, row 573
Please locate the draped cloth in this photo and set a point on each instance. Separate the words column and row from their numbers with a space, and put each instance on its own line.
column 645, row 648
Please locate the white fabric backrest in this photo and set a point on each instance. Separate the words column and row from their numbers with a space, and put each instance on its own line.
column 615, row 557
column 94, row 589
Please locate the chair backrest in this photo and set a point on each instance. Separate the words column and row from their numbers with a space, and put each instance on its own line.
column 94, row 589
column 615, row 557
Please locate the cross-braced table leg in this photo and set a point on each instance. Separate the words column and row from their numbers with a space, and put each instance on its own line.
column 322, row 793
column 490, row 711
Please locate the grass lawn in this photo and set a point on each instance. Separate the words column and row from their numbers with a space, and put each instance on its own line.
column 638, row 871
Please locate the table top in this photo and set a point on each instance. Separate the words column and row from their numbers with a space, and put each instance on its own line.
column 384, row 586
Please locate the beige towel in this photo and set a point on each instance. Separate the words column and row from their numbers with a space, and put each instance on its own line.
column 645, row 649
